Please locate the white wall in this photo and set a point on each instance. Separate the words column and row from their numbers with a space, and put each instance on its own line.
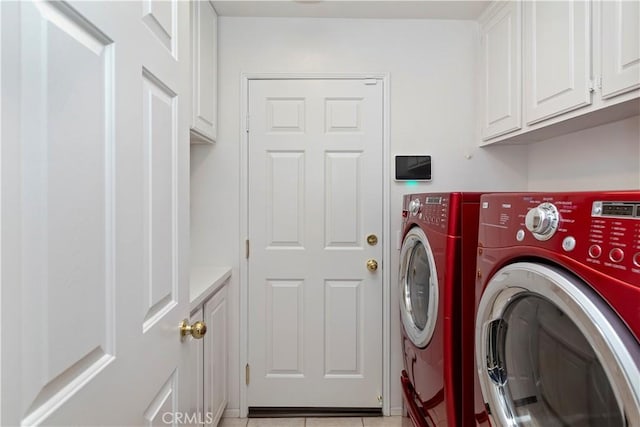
column 606, row 157
column 432, row 67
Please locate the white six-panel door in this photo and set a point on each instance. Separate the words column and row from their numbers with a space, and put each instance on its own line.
column 315, row 194
column 94, row 211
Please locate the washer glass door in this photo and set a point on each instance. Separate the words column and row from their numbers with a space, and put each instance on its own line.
column 418, row 287
column 541, row 360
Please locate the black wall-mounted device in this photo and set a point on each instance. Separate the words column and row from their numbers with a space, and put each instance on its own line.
column 413, row 168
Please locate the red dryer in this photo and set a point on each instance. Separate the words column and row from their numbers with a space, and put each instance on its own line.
column 558, row 308
column 437, row 297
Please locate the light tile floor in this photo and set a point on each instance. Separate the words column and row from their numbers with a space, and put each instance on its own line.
column 317, row 422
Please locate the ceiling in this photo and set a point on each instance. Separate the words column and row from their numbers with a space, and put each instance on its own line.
column 394, row 9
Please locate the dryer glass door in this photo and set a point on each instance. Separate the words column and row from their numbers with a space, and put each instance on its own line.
column 418, row 288
column 541, row 361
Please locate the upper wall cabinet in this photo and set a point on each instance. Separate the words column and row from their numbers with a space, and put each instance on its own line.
column 557, row 58
column 501, row 70
column 580, row 67
column 620, row 47
column 204, row 71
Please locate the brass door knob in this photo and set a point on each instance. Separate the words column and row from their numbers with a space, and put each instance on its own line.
column 197, row 330
column 372, row 265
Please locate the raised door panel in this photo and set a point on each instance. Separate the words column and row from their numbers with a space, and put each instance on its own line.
column 557, row 58
column 160, row 19
column 164, row 405
column 620, row 47
column 160, row 142
column 204, row 48
column 67, row 202
column 215, row 357
column 501, row 84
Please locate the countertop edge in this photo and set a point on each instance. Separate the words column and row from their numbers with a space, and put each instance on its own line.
column 204, row 281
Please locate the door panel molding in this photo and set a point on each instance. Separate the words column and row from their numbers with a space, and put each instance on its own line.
column 382, row 78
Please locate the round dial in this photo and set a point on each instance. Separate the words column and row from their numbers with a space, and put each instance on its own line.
column 414, row 207
column 542, row 221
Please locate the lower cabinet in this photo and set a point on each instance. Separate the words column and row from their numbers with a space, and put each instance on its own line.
column 209, row 361
column 215, row 356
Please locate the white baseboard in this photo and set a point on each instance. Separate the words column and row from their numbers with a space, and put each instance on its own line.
column 397, row 411
column 231, row 413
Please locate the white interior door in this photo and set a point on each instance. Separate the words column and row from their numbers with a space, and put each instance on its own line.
column 315, row 194
column 94, row 211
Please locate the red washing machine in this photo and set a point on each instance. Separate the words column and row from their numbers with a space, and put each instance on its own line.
column 437, row 297
column 558, row 308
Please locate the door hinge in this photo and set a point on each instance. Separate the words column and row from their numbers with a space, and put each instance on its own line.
column 370, row 81
column 246, row 249
column 247, row 124
column 599, row 82
column 591, row 86
column 247, row 374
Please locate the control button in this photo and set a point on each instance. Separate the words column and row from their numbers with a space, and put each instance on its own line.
column 520, row 235
column 595, row 251
column 636, row 259
column 569, row 244
column 616, row 255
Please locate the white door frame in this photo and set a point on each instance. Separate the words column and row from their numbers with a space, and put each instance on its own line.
column 244, row 224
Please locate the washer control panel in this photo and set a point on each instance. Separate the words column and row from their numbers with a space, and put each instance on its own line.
column 598, row 229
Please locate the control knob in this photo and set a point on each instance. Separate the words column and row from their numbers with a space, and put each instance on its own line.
column 542, row 221
column 414, row 207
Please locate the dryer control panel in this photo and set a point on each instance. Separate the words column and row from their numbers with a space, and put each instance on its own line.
column 430, row 208
column 601, row 230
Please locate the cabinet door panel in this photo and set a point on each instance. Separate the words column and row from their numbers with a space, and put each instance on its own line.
column 502, row 71
column 557, row 58
column 620, row 47
column 215, row 357
column 204, row 42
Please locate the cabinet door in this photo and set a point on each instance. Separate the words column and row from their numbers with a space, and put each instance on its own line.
column 620, row 47
column 204, row 49
column 215, row 357
column 501, row 39
column 557, row 64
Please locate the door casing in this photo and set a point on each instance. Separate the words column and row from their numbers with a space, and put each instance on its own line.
column 244, row 204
